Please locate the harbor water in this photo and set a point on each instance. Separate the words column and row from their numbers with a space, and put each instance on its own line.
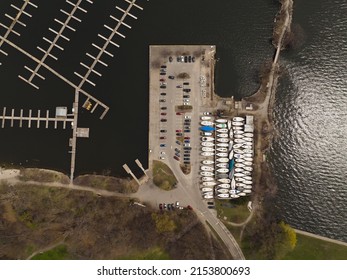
column 309, row 153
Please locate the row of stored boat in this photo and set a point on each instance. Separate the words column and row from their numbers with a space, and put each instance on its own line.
column 226, row 171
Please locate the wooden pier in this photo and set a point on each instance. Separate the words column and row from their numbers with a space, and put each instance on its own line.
column 127, row 169
column 46, row 119
column 141, row 167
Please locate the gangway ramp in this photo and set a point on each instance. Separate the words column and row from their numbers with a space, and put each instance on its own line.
column 70, row 19
column 114, row 33
column 16, row 18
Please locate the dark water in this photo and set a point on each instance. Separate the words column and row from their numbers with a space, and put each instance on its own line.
column 309, row 157
column 240, row 29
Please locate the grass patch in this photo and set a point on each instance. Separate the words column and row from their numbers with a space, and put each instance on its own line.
column 155, row 253
column 234, row 210
column 163, row 176
column 58, row 253
column 236, row 232
column 310, row 248
column 43, row 176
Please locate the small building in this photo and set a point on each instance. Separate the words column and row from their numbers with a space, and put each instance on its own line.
column 249, row 120
column 61, row 112
column 249, row 128
column 249, row 107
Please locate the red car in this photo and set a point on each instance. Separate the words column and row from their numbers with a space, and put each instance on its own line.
column 186, row 137
column 176, row 158
column 162, row 80
column 178, row 130
column 179, row 113
column 163, row 114
column 189, row 207
column 162, row 137
column 161, row 206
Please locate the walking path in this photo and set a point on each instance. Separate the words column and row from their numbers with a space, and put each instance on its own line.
column 320, row 237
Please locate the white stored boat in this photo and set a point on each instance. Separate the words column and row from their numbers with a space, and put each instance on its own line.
column 238, row 136
column 249, row 134
column 206, row 168
column 223, row 190
column 238, row 151
column 207, row 138
column 247, row 187
column 239, row 185
column 221, row 125
column 247, row 173
column 231, row 154
column 237, row 128
column 247, row 182
column 247, row 155
column 209, row 184
column 239, row 140
column 207, row 179
column 239, row 160
column 229, row 124
column 223, row 196
column 231, row 133
column 224, row 185
column 222, row 145
column 237, row 123
column 239, row 175
column 222, row 165
column 208, row 193
column 248, row 151
column 242, row 194
column 221, row 121
column 222, row 159
column 238, row 156
column 206, row 123
column 238, row 119
column 247, row 146
column 208, row 161
column 222, row 154
column 207, row 173
column 248, row 168
column 223, row 150
column 237, row 146
column 207, row 154
column 248, row 159
column 248, row 163
column 222, row 170
column 249, row 178
column 207, row 190
column 207, row 149
column 233, row 184
column 234, row 196
column 230, row 145
column 207, row 144
column 223, row 140
column 222, row 130
column 239, row 165
column 239, row 132
column 223, row 135
column 238, row 170
column 205, row 118
column 224, row 181
column 208, row 196
column 247, row 191
column 248, row 139
column 207, row 133
column 239, row 179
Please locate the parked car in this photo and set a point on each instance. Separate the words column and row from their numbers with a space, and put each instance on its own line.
column 171, row 77
column 187, row 117
column 163, row 130
column 162, row 100
column 186, row 96
column 162, row 80
column 170, row 59
column 163, row 114
column 163, row 120
column 163, row 66
column 210, row 202
column 178, row 130
column 163, row 108
column 161, row 206
column 187, row 130
column 207, row 113
column 178, row 142
column 189, row 207
column 210, row 206
column 179, row 86
column 176, row 158
column 162, row 145
column 179, row 134
column 162, row 137
column 186, row 141
column 187, row 90
column 186, row 100
column 177, row 150
column 162, row 73
column 163, row 94
column 186, row 137
column 162, row 86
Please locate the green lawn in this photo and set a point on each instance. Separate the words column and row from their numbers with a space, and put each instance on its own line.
column 163, row 176
column 309, row 248
column 155, row 253
column 234, row 210
column 58, row 253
